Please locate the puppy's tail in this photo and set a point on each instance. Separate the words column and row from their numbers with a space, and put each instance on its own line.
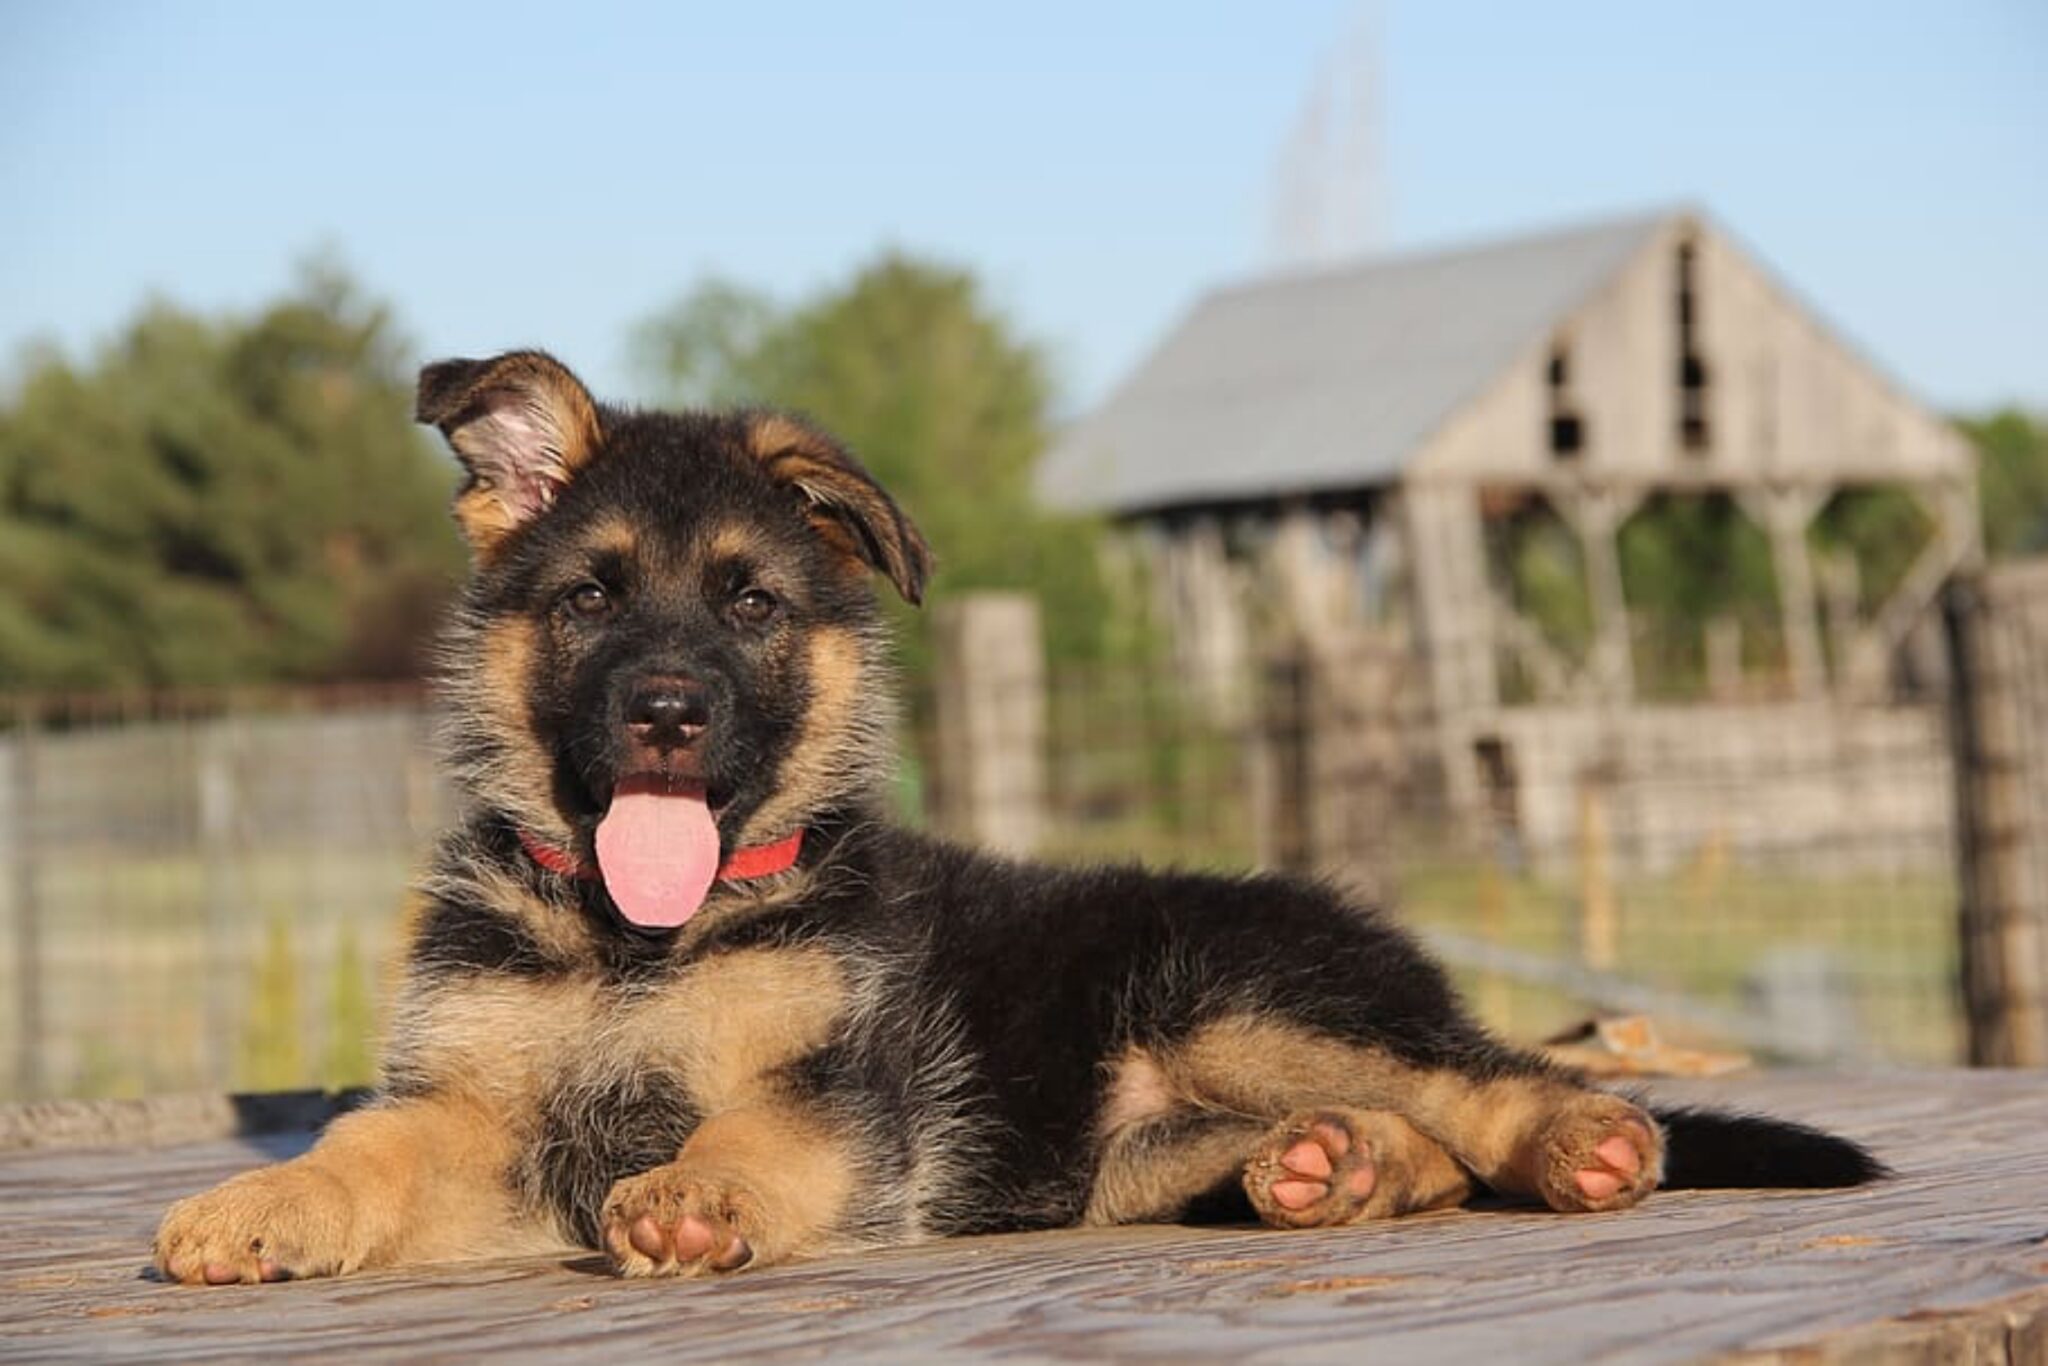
column 1713, row 1149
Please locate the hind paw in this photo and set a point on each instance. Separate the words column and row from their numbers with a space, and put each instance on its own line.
column 1602, row 1153
column 1313, row 1170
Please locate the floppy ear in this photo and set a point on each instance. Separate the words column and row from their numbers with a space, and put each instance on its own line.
column 845, row 503
column 522, row 426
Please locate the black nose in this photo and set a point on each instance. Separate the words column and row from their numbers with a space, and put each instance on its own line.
column 668, row 712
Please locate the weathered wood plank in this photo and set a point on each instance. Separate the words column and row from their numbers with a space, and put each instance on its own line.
column 1687, row 1277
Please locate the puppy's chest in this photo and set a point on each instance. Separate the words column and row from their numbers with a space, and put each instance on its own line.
column 631, row 1080
column 718, row 1033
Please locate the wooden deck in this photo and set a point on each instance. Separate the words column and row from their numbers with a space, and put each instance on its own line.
column 1948, row 1262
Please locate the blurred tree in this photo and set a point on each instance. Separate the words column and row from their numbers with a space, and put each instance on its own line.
column 218, row 500
column 1687, row 560
column 1879, row 530
column 929, row 386
column 2012, row 480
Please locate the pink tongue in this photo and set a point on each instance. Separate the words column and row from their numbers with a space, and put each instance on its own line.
column 658, row 850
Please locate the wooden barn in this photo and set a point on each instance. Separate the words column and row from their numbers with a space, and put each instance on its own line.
column 1321, row 454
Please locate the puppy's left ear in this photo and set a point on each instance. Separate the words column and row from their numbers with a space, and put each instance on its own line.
column 522, row 426
column 847, row 506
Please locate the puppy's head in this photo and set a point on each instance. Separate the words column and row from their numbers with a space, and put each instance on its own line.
column 669, row 648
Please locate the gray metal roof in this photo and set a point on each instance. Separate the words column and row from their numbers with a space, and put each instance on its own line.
column 1326, row 380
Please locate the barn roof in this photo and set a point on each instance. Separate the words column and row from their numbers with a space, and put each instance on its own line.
column 1328, row 379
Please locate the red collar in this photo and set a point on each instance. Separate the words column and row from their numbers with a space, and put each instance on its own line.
column 758, row 860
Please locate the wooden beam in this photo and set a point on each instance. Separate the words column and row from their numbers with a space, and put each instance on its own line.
column 1785, row 513
column 1596, row 512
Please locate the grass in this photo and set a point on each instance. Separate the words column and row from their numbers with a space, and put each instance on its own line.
column 159, row 973
column 1887, row 943
column 147, row 990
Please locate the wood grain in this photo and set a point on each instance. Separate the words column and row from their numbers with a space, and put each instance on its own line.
column 1951, row 1257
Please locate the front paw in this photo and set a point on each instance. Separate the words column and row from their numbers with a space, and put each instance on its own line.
column 267, row 1225
column 670, row 1222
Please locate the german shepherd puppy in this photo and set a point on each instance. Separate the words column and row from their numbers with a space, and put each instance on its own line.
column 678, row 991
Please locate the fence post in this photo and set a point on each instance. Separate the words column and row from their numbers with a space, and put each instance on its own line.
column 1326, row 758
column 1599, row 920
column 989, row 787
column 221, row 914
column 30, row 1024
column 1284, row 794
column 2003, row 916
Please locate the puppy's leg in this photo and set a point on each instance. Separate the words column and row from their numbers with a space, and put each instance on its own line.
column 1319, row 1168
column 411, row 1180
column 1545, row 1136
column 1152, row 1171
column 1520, row 1126
column 751, row 1187
column 1312, row 1169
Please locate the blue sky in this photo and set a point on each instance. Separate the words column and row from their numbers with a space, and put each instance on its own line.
column 525, row 174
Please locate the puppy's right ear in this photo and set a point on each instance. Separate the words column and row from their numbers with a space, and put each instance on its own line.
column 522, row 426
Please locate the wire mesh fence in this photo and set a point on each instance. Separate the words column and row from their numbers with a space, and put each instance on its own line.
column 1774, row 875
column 203, row 892
column 201, row 888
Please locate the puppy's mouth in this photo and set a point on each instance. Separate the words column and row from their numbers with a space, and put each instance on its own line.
column 658, row 849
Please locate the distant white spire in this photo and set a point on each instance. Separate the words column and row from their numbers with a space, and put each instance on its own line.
column 1329, row 198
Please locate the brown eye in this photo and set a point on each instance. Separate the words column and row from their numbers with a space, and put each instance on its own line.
column 589, row 600
column 754, row 606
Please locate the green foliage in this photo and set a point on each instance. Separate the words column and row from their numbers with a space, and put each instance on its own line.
column 1535, row 559
column 1685, row 561
column 1879, row 530
column 909, row 364
column 351, row 1017
column 2012, row 479
column 222, row 501
column 272, row 1056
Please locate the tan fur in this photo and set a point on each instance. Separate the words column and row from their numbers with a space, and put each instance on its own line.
column 502, row 1039
column 612, row 536
column 1408, row 1171
column 769, row 1179
column 1151, row 1170
column 736, row 1018
column 733, row 541
column 556, row 929
column 822, row 747
column 724, row 1028
column 1139, row 1090
column 1528, row 1136
column 1521, row 1135
column 772, row 434
column 813, row 464
column 1265, row 1068
column 553, row 403
column 410, row 1181
column 525, row 782
column 483, row 516
column 1176, row 1125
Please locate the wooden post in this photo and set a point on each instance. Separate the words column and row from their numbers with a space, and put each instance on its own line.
column 1599, row 923
column 1352, row 758
column 227, row 917
column 30, row 1078
column 1597, row 515
column 989, row 713
column 1286, row 808
column 2003, row 921
column 1786, row 515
